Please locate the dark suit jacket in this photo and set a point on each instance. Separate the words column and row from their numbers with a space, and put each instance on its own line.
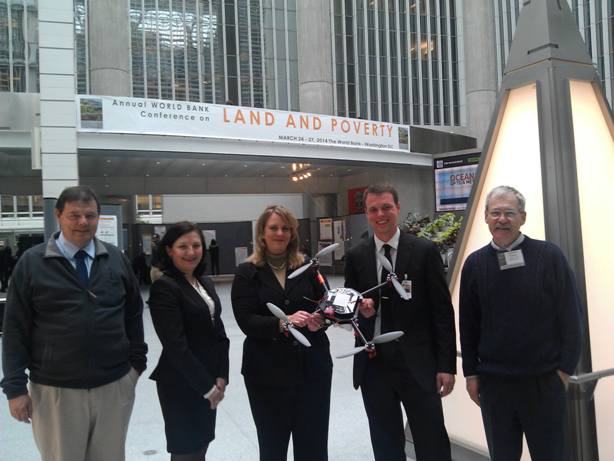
column 194, row 348
column 429, row 343
column 272, row 358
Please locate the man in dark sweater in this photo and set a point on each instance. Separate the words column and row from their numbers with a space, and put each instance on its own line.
column 520, row 330
column 74, row 320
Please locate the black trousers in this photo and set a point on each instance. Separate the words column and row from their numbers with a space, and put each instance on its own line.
column 215, row 265
column 384, row 389
column 535, row 406
column 5, row 274
column 301, row 411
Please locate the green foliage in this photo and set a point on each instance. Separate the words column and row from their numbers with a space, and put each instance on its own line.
column 443, row 231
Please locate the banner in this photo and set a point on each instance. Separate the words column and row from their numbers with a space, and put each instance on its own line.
column 454, row 177
column 110, row 114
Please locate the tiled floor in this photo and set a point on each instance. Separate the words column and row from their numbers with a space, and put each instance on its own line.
column 236, row 434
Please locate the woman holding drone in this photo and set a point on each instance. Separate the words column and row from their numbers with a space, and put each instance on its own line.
column 288, row 384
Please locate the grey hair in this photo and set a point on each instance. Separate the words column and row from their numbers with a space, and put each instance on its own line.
column 506, row 190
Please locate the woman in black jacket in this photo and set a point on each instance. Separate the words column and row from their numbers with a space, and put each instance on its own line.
column 288, row 384
column 192, row 373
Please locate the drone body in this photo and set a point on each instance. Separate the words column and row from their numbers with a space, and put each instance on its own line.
column 341, row 306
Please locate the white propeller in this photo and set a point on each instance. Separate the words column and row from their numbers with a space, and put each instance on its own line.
column 379, row 339
column 277, row 312
column 349, row 353
column 395, row 283
column 322, row 252
column 387, row 337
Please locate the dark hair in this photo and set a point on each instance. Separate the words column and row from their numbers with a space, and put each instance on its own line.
column 173, row 234
column 377, row 189
column 76, row 194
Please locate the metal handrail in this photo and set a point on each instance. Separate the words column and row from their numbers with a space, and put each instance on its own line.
column 590, row 377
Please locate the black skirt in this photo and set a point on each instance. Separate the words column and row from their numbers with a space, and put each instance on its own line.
column 189, row 422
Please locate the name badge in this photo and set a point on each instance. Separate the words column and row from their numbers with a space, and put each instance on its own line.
column 406, row 284
column 511, row 259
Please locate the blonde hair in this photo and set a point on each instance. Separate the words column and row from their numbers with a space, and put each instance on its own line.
column 293, row 257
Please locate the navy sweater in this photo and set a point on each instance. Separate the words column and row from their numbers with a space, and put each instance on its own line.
column 521, row 321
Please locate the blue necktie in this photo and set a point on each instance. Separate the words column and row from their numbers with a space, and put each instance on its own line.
column 82, row 268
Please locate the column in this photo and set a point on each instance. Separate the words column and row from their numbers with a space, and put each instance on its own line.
column 109, row 47
column 480, row 66
column 57, row 102
column 315, row 71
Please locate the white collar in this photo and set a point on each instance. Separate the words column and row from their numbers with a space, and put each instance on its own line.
column 69, row 249
column 393, row 242
column 511, row 246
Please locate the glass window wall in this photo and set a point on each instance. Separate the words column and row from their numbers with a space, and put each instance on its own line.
column 216, row 51
column 19, row 46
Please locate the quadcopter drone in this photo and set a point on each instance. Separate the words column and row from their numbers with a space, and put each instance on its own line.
column 340, row 305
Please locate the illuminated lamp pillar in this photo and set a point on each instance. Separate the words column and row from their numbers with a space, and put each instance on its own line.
column 552, row 138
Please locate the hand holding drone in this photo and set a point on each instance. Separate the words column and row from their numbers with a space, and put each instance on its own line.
column 341, row 305
column 288, row 325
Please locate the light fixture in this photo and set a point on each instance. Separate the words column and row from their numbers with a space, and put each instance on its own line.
column 300, row 171
column 552, row 138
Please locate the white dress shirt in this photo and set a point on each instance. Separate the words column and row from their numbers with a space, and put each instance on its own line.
column 379, row 248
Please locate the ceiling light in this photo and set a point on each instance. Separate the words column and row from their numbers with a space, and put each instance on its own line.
column 301, row 171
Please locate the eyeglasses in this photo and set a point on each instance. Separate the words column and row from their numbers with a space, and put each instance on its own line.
column 496, row 214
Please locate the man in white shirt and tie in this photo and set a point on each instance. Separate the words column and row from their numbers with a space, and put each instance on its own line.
column 417, row 370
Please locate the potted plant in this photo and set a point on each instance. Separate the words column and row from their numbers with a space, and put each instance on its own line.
column 442, row 231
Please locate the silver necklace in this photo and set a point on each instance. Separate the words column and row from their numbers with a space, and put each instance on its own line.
column 280, row 267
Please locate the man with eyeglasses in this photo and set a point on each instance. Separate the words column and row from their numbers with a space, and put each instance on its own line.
column 520, row 331
column 74, row 320
column 417, row 370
